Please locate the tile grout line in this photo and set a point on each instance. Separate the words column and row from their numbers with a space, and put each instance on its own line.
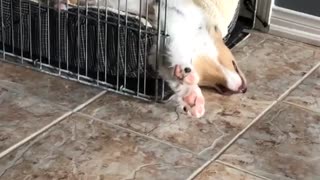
column 240, row 169
column 302, row 107
column 280, row 98
column 122, row 128
column 53, row 123
column 113, row 125
column 139, row 134
column 75, row 110
column 56, row 105
column 217, row 155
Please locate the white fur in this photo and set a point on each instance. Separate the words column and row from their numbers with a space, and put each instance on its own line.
column 188, row 39
column 187, row 36
column 233, row 79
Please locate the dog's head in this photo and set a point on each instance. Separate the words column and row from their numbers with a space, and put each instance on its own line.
column 220, row 71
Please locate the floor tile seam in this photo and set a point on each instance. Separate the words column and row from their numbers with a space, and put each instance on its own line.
column 153, row 138
column 265, row 111
column 62, row 107
column 304, row 108
column 241, row 169
column 149, row 137
column 50, row 125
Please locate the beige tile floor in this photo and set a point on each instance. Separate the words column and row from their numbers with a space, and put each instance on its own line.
column 271, row 132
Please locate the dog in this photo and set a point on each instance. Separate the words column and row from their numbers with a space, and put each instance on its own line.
column 223, row 74
column 194, row 52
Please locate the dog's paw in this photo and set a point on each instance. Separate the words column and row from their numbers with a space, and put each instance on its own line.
column 186, row 75
column 192, row 101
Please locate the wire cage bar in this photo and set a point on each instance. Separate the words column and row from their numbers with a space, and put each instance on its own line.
column 87, row 42
column 95, row 45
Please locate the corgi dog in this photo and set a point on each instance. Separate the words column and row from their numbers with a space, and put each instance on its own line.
column 193, row 54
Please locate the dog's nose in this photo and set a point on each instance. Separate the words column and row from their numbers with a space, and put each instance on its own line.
column 226, row 91
column 187, row 70
column 243, row 88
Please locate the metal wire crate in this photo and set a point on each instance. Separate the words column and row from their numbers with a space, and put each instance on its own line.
column 92, row 45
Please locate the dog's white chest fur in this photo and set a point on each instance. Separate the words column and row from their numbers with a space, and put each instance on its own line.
column 188, row 36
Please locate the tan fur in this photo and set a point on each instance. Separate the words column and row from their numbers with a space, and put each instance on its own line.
column 73, row 2
column 219, row 12
column 219, row 15
column 209, row 73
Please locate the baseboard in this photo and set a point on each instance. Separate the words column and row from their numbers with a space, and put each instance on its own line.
column 295, row 25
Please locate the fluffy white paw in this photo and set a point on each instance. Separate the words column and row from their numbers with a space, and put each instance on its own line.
column 191, row 99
